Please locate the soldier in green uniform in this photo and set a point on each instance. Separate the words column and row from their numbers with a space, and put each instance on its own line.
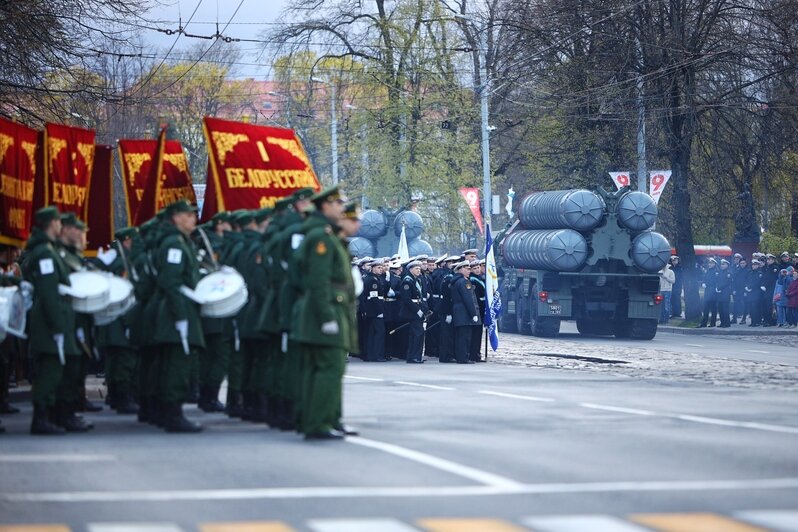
column 72, row 391
column 178, row 330
column 114, row 338
column 324, row 317
column 52, row 320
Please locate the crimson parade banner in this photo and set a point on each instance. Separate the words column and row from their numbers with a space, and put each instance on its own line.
column 173, row 180
column 252, row 166
column 100, row 218
column 18, row 164
column 68, row 165
column 471, row 197
column 137, row 160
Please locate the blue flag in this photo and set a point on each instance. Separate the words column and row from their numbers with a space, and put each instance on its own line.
column 493, row 300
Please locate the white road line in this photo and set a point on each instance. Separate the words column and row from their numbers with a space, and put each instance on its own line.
column 46, row 458
column 580, row 523
column 364, row 378
column 741, row 424
column 619, row 409
column 133, row 527
column 772, row 519
column 409, row 491
column 760, row 352
column 477, row 475
column 515, row 396
column 430, row 386
column 694, row 345
column 359, row 525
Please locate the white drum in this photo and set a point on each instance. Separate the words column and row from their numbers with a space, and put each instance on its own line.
column 90, row 291
column 12, row 312
column 220, row 294
column 121, row 300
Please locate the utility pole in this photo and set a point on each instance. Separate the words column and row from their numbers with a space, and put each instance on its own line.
column 641, row 128
column 487, row 194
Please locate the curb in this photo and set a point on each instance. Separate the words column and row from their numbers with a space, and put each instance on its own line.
column 735, row 331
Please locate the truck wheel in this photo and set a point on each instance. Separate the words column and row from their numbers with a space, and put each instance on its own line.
column 584, row 327
column 546, row 327
column 642, row 329
column 507, row 323
column 522, row 317
column 622, row 328
column 595, row 327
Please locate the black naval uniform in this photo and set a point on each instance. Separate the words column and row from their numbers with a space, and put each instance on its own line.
column 372, row 308
column 723, row 291
column 446, row 334
column 464, row 317
column 476, row 332
column 412, row 310
column 710, row 297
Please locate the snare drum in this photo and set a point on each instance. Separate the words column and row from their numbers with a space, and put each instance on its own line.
column 221, row 294
column 121, row 300
column 90, row 291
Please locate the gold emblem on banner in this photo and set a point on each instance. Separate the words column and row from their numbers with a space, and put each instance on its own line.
column 6, row 141
column 291, row 146
column 134, row 162
column 55, row 146
column 178, row 160
column 226, row 142
column 87, row 152
column 30, row 149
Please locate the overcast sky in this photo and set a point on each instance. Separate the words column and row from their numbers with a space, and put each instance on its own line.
column 251, row 19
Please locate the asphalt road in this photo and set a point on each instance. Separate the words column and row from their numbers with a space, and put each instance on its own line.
column 486, row 447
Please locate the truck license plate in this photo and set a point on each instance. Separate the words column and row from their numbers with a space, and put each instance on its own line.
column 555, row 309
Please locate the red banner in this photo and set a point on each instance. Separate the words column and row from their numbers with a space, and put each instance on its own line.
column 471, row 197
column 18, row 161
column 100, row 217
column 137, row 160
column 69, row 160
column 252, row 166
column 173, row 184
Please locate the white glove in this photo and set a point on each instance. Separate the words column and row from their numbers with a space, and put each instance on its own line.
column 475, row 319
column 448, row 319
column 59, row 343
column 330, row 327
column 420, row 314
column 81, row 335
column 284, row 343
column 747, row 289
column 703, row 285
column 380, row 315
column 127, row 333
column 718, row 291
column 762, row 288
column 391, row 293
column 182, row 330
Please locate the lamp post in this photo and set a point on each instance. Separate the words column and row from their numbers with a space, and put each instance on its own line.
column 333, row 129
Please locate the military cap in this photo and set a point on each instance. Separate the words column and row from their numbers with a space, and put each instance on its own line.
column 395, row 257
column 770, row 256
column 352, row 211
column 738, row 255
column 431, row 259
column 675, row 257
column 461, row 265
column 377, row 262
column 441, row 258
column 395, row 265
column 360, row 262
column 470, row 252
column 282, row 204
column 785, row 254
column 421, row 257
column 221, row 217
column 712, row 259
column 302, row 194
column 261, row 214
column 454, row 258
column 784, row 270
column 181, row 205
column 413, row 264
column 243, row 217
column 743, row 259
column 45, row 215
column 757, row 262
column 724, row 261
column 69, row 219
column 330, row 194
column 126, row 232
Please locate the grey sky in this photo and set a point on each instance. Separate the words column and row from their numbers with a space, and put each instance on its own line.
column 253, row 17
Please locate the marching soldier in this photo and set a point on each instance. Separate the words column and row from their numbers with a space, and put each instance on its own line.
column 52, row 320
column 464, row 312
column 325, row 326
column 413, row 311
column 375, row 287
column 446, row 338
column 178, row 333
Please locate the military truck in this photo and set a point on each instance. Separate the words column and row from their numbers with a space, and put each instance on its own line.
column 585, row 256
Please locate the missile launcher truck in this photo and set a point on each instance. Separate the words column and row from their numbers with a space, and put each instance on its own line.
column 585, row 256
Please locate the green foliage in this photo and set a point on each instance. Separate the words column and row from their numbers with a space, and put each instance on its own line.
column 775, row 244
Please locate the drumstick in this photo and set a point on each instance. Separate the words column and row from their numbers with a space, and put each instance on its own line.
column 208, row 247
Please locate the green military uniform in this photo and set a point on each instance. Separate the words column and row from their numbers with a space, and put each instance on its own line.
column 235, row 369
column 52, row 320
column 324, row 322
column 178, row 331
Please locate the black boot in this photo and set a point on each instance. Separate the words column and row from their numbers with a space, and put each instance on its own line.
column 213, row 399
column 288, row 415
column 176, row 421
column 272, row 411
column 260, row 412
column 66, row 417
column 40, row 424
column 248, row 413
column 202, row 404
column 234, row 408
column 158, row 413
column 145, row 412
column 125, row 404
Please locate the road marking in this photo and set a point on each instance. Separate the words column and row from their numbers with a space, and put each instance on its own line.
column 515, row 396
column 364, row 378
column 580, row 523
column 253, row 526
column 477, row 475
column 619, row 409
column 742, row 424
column 34, row 528
column 693, row 522
column 760, row 352
column 773, row 519
column 359, row 525
column 694, row 345
column 133, row 527
column 33, row 458
column 468, row 525
column 343, row 492
column 430, row 386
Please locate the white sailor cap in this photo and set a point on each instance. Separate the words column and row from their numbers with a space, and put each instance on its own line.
column 441, row 258
column 413, row 264
column 462, row 264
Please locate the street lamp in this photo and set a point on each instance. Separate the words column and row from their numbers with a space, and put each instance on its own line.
column 333, row 128
column 485, row 128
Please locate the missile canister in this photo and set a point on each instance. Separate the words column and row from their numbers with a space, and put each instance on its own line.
column 361, row 247
column 650, row 251
column 373, row 225
column 555, row 250
column 637, row 211
column 419, row 247
column 413, row 223
column 581, row 210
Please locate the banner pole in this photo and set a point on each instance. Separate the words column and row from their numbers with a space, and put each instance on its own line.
column 486, row 343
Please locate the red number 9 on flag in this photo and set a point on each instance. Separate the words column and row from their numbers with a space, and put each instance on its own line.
column 623, row 180
column 656, row 182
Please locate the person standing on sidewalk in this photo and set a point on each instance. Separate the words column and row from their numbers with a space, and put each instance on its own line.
column 724, row 291
column 676, row 289
column 667, row 278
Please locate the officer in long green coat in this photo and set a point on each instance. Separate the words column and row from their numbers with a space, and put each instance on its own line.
column 178, row 330
column 324, row 317
column 113, row 339
column 52, row 320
